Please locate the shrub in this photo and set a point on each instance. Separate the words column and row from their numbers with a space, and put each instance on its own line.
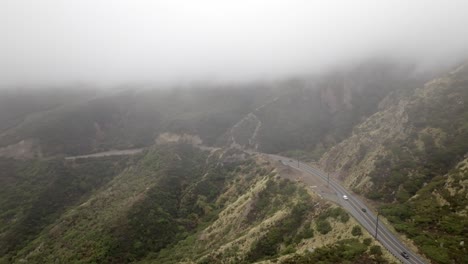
column 336, row 213
column 367, row 241
column 356, row 231
column 323, row 226
column 307, row 233
column 376, row 250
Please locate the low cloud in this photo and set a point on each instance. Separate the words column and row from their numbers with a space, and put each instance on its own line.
column 120, row 41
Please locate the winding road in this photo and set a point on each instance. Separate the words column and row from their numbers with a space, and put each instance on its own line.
column 356, row 208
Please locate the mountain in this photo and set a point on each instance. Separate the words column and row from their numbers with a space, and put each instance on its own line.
column 128, row 119
column 313, row 115
column 17, row 104
column 193, row 188
column 303, row 116
column 411, row 157
column 173, row 203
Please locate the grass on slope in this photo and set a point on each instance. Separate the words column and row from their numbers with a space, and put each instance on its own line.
column 34, row 193
column 436, row 218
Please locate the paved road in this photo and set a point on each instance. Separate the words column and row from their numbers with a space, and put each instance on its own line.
column 108, row 153
column 354, row 206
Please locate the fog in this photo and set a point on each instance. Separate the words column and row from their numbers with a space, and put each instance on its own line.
column 122, row 41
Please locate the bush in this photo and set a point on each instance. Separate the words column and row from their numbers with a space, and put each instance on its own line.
column 376, row 250
column 304, row 234
column 374, row 195
column 283, row 232
column 307, row 233
column 356, row 231
column 367, row 241
column 323, row 226
column 288, row 250
column 343, row 251
column 335, row 213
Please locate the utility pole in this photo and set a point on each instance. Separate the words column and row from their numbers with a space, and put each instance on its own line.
column 328, row 179
column 377, row 225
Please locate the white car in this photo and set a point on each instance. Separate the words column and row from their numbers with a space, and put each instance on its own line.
column 345, row 197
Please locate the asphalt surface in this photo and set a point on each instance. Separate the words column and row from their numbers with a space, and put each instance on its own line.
column 355, row 207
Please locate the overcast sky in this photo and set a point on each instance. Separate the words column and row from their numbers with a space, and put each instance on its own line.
column 118, row 41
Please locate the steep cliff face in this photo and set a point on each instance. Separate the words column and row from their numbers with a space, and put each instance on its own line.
column 407, row 156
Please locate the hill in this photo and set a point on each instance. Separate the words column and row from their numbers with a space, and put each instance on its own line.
column 298, row 117
column 193, row 194
column 410, row 157
column 314, row 114
column 174, row 203
column 128, row 119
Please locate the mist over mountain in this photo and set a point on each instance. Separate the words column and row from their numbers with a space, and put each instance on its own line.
column 114, row 42
column 207, row 131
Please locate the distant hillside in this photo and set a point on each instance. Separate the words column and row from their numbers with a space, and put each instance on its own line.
column 17, row 104
column 407, row 155
column 130, row 119
column 315, row 114
column 300, row 117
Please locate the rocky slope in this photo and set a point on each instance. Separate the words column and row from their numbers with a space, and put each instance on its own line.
column 405, row 149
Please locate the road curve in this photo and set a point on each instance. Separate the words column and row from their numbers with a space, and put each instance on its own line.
column 354, row 206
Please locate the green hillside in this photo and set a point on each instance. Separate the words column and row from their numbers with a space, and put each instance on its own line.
column 194, row 196
column 171, row 204
column 407, row 155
